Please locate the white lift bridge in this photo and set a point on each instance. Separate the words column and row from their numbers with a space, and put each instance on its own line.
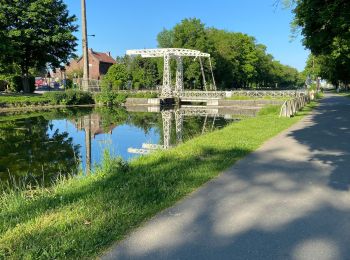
column 167, row 90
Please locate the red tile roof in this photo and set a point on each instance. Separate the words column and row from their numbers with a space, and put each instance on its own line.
column 102, row 57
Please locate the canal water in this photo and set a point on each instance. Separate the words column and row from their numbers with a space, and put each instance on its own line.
column 38, row 146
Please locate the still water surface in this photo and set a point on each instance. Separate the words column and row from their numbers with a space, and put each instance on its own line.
column 38, row 146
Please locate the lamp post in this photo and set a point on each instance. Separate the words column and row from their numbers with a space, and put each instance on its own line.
column 64, row 77
column 85, row 84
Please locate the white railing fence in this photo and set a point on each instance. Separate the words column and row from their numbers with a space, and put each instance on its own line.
column 292, row 106
column 264, row 93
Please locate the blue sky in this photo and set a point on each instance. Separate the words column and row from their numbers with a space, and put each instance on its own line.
column 121, row 25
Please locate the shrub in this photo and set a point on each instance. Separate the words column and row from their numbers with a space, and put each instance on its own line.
column 118, row 98
column 143, row 95
column 69, row 97
column 69, row 83
column 56, row 97
column 15, row 82
column 81, row 97
column 116, row 77
column 110, row 98
column 3, row 85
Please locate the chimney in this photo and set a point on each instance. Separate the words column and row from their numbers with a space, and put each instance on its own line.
column 109, row 54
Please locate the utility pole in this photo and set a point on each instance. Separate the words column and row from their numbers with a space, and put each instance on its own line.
column 85, row 47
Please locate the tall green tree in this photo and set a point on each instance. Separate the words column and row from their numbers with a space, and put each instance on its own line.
column 325, row 26
column 144, row 72
column 36, row 33
column 190, row 34
column 165, row 38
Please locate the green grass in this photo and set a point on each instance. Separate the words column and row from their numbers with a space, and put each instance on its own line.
column 68, row 97
column 23, row 99
column 344, row 94
column 47, row 113
column 143, row 95
column 118, row 98
column 270, row 110
column 80, row 217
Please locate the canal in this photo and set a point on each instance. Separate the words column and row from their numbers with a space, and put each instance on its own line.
column 37, row 147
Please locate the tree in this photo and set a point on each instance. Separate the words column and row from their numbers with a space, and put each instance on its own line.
column 326, row 67
column 35, row 34
column 144, row 72
column 238, row 60
column 117, row 76
column 325, row 26
column 190, row 34
column 165, row 38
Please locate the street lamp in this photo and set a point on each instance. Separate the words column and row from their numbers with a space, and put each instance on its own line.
column 63, row 70
column 85, row 47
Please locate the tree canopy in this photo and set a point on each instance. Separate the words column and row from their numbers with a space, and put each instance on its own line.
column 35, row 34
column 325, row 26
column 238, row 60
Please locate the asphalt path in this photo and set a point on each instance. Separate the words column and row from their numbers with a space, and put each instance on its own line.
column 287, row 200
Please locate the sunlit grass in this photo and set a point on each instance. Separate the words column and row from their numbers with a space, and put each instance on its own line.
column 80, row 217
column 23, row 99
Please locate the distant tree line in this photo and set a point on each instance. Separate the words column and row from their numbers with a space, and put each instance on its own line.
column 238, row 61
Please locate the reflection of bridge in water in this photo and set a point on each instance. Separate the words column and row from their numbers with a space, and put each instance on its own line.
column 92, row 125
column 179, row 114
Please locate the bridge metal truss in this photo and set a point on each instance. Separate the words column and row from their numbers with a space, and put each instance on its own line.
column 177, row 54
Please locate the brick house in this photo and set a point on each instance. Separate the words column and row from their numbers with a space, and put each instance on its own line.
column 99, row 63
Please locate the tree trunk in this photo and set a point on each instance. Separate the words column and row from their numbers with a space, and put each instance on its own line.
column 25, row 83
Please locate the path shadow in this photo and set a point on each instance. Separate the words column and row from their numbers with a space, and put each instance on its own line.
column 328, row 138
column 280, row 202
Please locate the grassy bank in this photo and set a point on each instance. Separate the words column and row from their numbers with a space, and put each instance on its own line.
column 80, row 217
column 7, row 100
column 69, row 98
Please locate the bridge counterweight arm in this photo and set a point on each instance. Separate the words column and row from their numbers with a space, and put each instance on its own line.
column 148, row 53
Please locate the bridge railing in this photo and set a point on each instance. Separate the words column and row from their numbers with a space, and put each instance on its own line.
column 203, row 94
column 264, row 93
column 247, row 93
column 292, row 106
